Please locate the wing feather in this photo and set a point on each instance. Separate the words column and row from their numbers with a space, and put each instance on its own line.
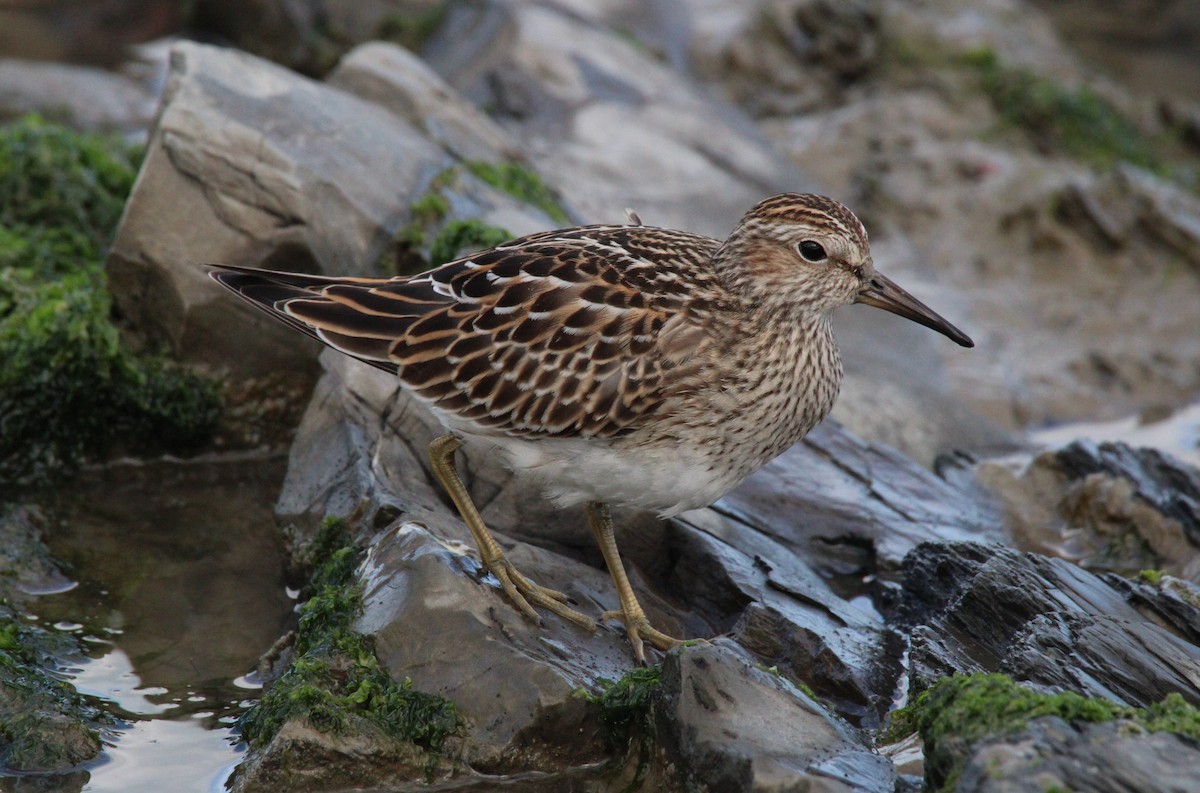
column 578, row 332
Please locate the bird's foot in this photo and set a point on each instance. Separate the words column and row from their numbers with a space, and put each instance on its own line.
column 638, row 628
column 523, row 592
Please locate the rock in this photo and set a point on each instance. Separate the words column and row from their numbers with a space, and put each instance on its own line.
column 972, row 608
column 1108, row 505
column 728, row 725
column 784, row 58
column 310, row 35
column 1111, row 757
column 95, row 32
column 396, row 79
column 84, row 97
column 608, row 124
column 319, row 190
column 739, row 569
column 26, row 567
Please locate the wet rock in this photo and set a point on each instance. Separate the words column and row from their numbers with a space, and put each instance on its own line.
column 45, row 726
column 1107, row 758
column 757, row 568
column 1108, row 505
column 972, row 608
column 26, row 567
column 729, row 725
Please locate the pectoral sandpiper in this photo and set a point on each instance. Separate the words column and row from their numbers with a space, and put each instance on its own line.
column 624, row 365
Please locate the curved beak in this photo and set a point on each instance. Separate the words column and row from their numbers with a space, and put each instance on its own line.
column 882, row 292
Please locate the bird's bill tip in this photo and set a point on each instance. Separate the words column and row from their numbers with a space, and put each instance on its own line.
column 882, row 292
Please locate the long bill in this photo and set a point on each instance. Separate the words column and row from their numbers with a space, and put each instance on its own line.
column 882, row 292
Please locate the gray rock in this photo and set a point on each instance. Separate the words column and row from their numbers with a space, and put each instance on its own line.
column 392, row 77
column 1112, row 757
column 728, row 725
column 976, row 608
column 1107, row 505
column 251, row 164
column 84, row 97
column 609, row 124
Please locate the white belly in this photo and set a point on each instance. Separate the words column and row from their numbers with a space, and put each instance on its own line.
column 665, row 480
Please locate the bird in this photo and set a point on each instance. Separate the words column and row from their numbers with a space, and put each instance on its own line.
column 615, row 365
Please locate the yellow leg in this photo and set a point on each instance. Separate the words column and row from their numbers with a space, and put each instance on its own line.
column 519, row 588
column 636, row 624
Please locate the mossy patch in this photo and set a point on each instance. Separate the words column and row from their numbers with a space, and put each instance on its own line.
column 413, row 28
column 522, row 184
column 1077, row 122
column 627, row 716
column 69, row 390
column 334, row 682
column 957, row 712
column 459, row 235
column 45, row 724
column 427, row 240
column 1151, row 577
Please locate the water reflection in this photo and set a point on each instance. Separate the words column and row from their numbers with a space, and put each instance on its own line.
column 179, row 573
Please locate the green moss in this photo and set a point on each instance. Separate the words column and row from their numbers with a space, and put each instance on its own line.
column 414, row 28
column 335, row 682
column 69, row 390
column 460, row 235
column 45, row 724
column 522, row 184
column 429, row 209
column 1151, row 577
column 627, row 716
column 1076, row 122
column 959, row 711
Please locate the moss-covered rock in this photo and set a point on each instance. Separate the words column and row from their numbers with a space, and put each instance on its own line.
column 334, row 683
column 522, row 184
column 1077, row 122
column 958, row 712
column 69, row 390
column 45, row 725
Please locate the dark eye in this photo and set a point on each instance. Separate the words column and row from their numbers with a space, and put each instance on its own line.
column 811, row 250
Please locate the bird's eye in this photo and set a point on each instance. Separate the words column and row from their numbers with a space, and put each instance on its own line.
column 812, row 251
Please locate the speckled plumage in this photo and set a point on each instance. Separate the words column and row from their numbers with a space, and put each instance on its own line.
column 625, row 365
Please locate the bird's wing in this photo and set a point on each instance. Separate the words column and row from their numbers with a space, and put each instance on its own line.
column 570, row 333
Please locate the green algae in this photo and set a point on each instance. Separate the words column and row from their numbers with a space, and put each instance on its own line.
column 45, row 724
column 1077, row 122
column 957, row 712
column 522, row 184
column 459, row 235
column 69, row 390
column 335, row 683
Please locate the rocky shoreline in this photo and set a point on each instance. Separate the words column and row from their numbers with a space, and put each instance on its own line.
column 918, row 538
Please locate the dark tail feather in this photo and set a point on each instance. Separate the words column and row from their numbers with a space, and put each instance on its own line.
column 268, row 290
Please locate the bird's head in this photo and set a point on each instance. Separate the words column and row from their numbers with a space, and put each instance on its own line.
column 809, row 253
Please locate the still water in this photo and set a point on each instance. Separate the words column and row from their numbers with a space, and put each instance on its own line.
column 177, row 589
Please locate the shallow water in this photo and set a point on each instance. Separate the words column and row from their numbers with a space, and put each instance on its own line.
column 178, row 571
column 1177, row 434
